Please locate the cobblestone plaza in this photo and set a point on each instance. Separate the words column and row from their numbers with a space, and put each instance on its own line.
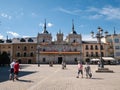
column 32, row 77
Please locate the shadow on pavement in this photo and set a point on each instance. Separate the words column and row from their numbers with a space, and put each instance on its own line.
column 21, row 80
column 5, row 71
column 97, row 78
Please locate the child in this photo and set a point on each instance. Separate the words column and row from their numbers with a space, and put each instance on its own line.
column 80, row 69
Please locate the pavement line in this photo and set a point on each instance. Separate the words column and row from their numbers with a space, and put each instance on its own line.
column 36, row 85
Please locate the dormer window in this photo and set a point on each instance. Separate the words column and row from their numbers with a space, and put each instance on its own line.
column 30, row 40
column 22, row 40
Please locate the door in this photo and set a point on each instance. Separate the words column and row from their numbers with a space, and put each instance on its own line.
column 59, row 60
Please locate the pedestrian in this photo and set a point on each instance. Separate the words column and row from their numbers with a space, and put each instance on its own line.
column 16, row 70
column 63, row 64
column 98, row 64
column 88, row 71
column 11, row 76
column 80, row 69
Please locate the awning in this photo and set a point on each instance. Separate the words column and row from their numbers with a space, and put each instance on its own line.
column 104, row 58
column 108, row 58
column 95, row 59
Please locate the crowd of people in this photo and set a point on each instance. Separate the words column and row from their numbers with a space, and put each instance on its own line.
column 14, row 69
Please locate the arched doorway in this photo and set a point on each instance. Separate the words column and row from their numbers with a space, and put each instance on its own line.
column 60, row 60
column 29, row 61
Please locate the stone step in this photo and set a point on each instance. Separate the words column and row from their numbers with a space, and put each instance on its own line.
column 104, row 70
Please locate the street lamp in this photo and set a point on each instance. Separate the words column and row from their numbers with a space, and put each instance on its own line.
column 99, row 35
column 38, row 50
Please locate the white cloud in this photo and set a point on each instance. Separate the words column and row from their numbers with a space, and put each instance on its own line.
column 111, row 13
column 1, row 36
column 88, row 38
column 14, row 34
column 41, row 25
column 49, row 24
column 92, row 9
column 4, row 15
column 108, row 12
column 26, row 36
column 72, row 12
column 96, row 16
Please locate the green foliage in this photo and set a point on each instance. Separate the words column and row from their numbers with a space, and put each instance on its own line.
column 4, row 58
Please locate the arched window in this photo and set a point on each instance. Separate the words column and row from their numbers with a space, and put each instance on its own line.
column 25, row 48
column 101, row 47
column 87, row 54
column 91, row 47
column 18, row 54
column 31, row 54
column 96, row 47
column 25, row 54
column 86, row 47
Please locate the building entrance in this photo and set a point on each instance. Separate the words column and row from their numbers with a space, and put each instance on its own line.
column 60, row 60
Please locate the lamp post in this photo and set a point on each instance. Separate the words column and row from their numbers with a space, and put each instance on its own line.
column 99, row 35
column 38, row 50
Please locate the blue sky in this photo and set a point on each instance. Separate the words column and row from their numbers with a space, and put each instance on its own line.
column 22, row 18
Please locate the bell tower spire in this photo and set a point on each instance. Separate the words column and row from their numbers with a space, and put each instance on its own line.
column 45, row 26
column 114, row 31
column 73, row 25
column 73, row 29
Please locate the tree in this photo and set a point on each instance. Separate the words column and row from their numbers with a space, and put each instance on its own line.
column 5, row 58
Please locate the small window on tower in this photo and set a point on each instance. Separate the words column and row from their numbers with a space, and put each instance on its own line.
column 74, row 41
column 43, row 40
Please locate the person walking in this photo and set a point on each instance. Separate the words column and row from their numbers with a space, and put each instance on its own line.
column 80, row 69
column 88, row 71
column 11, row 76
column 63, row 64
column 98, row 64
column 16, row 70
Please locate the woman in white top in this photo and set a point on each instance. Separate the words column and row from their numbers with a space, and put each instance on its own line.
column 11, row 70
